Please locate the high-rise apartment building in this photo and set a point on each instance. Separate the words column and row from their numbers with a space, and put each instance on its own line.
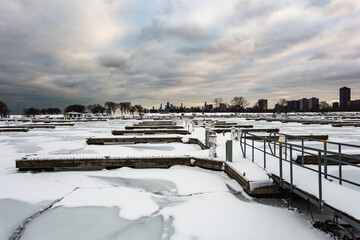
column 345, row 97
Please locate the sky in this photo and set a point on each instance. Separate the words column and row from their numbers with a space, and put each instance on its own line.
column 55, row 53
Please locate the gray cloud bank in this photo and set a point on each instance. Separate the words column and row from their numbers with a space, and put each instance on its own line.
column 55, row 53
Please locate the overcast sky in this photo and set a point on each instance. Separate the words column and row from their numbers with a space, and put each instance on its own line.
column 54, row 53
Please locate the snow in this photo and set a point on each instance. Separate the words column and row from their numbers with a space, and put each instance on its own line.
column 177, row 203
column 133, row 204
column 256, row 176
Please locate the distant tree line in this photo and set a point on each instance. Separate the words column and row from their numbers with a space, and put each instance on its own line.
column 237, row 104
column 108, row 108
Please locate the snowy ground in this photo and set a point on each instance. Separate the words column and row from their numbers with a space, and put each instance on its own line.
column 175, row 203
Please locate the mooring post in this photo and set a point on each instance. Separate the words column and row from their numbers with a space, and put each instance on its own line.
column 229, row 150
column 212, row 143
column 207, row 136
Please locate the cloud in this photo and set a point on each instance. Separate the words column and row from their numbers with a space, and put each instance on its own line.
column 87, row 51
column 160, row 31
column 111, row 61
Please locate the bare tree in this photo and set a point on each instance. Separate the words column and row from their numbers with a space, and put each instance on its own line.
column 218, row 101
column 324, row 106
column 124, row 107
column 132, row 109
column 4, row 110
column 139, row 109
column 239, row 103
column 281, row 105
column 96, row 108
column 127, row 106
column 75, row 108
column 110, row 107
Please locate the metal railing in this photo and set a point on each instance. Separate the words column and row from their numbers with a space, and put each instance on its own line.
column 284, row 151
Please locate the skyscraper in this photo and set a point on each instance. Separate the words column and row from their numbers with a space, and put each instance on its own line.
column 345, row 96
column 262, row 103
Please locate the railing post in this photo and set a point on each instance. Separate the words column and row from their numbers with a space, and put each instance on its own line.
column 319, row 179
column 286, row 148
column 280, row 163
column 302, row 152
column 245, row 145
column 340, row 166
column 274, row 145
column 252, row 150
column 291, row 170
column 325, row 158
column 265, row 153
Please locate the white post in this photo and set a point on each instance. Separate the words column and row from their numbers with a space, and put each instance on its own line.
column 212, row 143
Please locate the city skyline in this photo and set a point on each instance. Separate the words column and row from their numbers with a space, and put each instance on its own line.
column 83, row 52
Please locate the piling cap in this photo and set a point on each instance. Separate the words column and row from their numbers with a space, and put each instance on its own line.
column 281, row 138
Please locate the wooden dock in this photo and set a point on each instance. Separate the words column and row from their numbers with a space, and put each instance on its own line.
column 153, row 131
column 102, row 141
column 259, row 130
column 345, row 124
column 309, row 159
column 47, row 164
column 290, row 138
column 116, row 162
column 230, row 126
column 14, row 130
column 153, row 127
column 266, row 191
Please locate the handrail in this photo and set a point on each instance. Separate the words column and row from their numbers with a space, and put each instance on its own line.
column 323, row 156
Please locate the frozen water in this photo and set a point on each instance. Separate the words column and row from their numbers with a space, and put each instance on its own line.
column 87, row 223
column 13, row 213
column 156, row 186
